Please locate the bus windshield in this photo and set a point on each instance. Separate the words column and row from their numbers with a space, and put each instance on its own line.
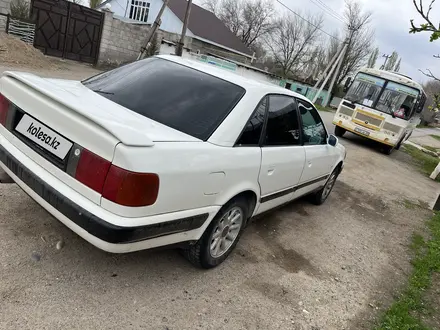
column 365, row 89
column 383, row 95
column 398, row 99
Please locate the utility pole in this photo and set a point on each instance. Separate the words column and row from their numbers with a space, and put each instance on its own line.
column 335, row 76
column 153, row 30
column 336, row 64
column 387, row 57
column 181, row 43
column 332, row 61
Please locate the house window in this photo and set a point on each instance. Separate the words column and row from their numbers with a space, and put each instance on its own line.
column 139, row 10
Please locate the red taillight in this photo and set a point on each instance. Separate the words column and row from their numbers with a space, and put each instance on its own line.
column 116, row 184
column 4, row 106
column 129, row 188
column 92, row 170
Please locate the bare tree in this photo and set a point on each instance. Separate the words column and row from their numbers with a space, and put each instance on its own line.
column 292, row 39
column 432, row 28
column 432, row 90
column 317, row 59
column 249, row 20
column 333, row 47
column 361, row 37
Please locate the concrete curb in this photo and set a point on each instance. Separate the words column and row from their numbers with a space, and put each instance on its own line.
column 436, row 171
column 429, row 152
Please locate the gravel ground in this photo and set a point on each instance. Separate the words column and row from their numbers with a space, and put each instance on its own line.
column 336, row 266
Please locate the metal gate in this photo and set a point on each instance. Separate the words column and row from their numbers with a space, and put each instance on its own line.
column 67, row 30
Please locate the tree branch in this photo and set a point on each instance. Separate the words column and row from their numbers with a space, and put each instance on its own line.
column 429, row 74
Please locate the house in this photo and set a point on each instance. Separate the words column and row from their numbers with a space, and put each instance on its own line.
column 206, row 33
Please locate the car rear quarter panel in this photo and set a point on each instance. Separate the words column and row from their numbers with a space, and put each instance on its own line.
column 231, row 128
column 192, row 175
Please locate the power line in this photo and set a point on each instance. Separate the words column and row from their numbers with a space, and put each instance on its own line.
column 295, row 13
column 331, row 10
column 328, row 11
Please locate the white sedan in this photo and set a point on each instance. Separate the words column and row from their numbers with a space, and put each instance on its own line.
column 163, row 151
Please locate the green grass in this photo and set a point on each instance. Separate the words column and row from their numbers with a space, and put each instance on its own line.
column 427, row 162
column 410, row 205
column 437, row 137
column 405, row 312
column 422, row 126
column 326, row 109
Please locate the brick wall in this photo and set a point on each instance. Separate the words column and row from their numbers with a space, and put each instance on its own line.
column 4, row 6
column 120, row 41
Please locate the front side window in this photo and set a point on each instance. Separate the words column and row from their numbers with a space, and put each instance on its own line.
column 313, row 128
column 282, row 124
column 365, row 89
column 252, row 131
column 175, row 95
column 139, row 10
column 398, row 100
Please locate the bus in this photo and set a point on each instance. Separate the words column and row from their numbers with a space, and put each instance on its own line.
column 382, row 106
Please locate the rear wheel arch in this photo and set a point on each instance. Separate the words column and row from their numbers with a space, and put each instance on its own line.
column 251, row 198
column 248, row 194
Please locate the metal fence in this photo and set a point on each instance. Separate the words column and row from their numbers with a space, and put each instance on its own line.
column 15, row 27
column 25, row 31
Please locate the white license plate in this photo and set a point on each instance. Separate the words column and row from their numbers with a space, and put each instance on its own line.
column 44, row 136
column 362, row 131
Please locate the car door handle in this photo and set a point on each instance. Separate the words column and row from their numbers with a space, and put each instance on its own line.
column 270, row 171
column 309, row 164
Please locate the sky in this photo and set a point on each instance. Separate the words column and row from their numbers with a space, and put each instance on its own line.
column 391, row 21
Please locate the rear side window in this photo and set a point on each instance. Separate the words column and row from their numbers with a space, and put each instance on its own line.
column 185, row 99
column 252, row 131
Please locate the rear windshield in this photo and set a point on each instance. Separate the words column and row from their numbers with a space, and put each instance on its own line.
column 185, row 99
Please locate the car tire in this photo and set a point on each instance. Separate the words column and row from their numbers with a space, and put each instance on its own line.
column 339, row 131
column 221, row 236
column 319, row 197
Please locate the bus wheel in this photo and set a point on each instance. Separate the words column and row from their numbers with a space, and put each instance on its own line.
column 387, row 150
column 399, row 144
column 339, row 131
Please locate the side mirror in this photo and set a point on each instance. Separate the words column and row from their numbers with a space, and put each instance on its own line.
column 332, row 140
column 421, row 103
column 347, row 85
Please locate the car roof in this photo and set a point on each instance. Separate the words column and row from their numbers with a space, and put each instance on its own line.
column 232, row 77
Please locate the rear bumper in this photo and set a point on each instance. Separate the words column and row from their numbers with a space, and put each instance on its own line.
column 4, row 177
column 173, row 229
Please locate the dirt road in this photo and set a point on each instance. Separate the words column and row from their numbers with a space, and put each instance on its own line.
column 301, row 267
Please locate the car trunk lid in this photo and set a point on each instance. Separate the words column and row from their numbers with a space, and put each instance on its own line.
column 75, row 118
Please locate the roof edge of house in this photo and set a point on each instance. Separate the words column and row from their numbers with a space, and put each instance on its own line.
column 222, row 46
